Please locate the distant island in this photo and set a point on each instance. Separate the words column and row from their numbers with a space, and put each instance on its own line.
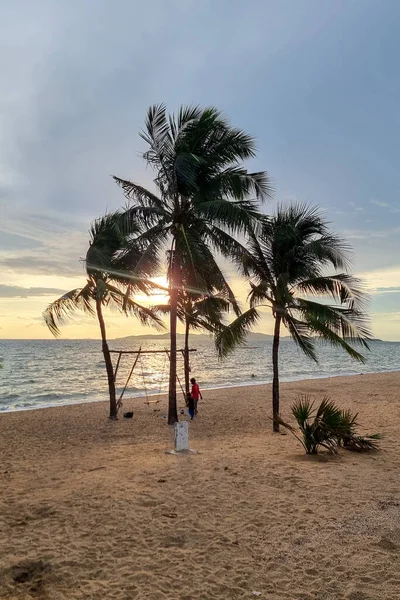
column 252, row 337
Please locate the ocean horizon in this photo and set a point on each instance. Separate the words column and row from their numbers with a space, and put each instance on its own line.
column 44, row 373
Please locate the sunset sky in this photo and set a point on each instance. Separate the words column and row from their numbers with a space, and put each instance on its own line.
column 315, row 81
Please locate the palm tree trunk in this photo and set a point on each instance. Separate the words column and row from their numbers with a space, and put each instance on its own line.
column 173, row 295
column 107, row 360
column 186, row 357
column 275, row 368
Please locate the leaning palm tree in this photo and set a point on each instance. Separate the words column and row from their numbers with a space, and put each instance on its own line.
column 286, row 262
column 109, row 283
column 204, row 197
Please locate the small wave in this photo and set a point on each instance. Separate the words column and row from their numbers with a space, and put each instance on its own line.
column 48, row 396
column 8, row 396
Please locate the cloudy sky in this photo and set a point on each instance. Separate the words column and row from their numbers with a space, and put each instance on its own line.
column 316, row 81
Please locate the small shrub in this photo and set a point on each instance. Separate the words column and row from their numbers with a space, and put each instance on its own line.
column 328, row 427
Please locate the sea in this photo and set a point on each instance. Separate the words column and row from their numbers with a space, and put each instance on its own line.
column 40, row 373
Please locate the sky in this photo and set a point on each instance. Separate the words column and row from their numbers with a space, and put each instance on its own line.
column 315, row 81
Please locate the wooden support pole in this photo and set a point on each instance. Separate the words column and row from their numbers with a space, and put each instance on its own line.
column 116, row 368
column 129, row 377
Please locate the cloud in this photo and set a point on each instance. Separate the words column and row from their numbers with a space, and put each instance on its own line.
column 381, row 278
column 15, row 291
column 43, row 244
column 355, row 207
column 392, row 209
column 364, row 234
column 42, row 265
column 389, row 316
column 388, row 289
column 379, row 203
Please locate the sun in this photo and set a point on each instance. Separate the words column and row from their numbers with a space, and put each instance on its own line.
column 158, row 296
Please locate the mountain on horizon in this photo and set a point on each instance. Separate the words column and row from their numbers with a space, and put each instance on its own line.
column 255, row 337
column 252, row 337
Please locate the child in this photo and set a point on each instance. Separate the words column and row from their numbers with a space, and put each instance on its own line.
column 196, row 394
column 191, row 405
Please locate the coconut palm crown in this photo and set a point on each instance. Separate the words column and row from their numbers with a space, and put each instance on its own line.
column 203, row 197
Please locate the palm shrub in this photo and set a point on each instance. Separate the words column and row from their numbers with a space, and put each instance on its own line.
column 319, row 427
column 287, row 260
column 204, row 197
column 327, row 426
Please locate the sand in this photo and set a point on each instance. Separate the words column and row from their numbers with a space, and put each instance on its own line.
column 94, row 509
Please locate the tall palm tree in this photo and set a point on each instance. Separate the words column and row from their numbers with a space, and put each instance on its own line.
column 287, row 261
column 109, row 283
column 204, row 196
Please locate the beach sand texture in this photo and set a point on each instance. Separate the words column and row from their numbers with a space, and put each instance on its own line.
column 93, row 509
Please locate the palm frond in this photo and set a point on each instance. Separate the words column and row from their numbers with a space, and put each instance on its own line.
column 234, row 334
column 137, row 264
column 199, row 267
column 260, row 294
column 235, row 216
column 302, row 409
column 363, row 443
column 342, row 287
column 126, row 304
column 330, row 249
column 185, row 115
column 142, row 197
column 228, row 246
column 331, row 414
column 61, row 310
column 300, row 333
column 235, row 182
column 345, row 323
column 328, row 335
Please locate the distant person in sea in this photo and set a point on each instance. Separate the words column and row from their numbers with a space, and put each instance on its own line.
column 191, row 405
column 196, row 393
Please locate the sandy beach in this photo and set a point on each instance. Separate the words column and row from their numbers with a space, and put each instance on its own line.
column 94, row 509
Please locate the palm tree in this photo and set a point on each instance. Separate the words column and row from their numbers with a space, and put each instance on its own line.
column 286, row 261
column 204, row 313
column 109, row 283
column 203, row 198
column 199, row 312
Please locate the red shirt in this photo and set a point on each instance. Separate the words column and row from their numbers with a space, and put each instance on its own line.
column 195, row 391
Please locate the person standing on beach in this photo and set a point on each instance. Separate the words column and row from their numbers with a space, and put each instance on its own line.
column 191, row 405
column 196, row 393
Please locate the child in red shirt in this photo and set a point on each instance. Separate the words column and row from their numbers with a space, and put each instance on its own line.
column 196, row 393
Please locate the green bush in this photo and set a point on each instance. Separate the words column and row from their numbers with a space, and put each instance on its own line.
column 328, row 427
